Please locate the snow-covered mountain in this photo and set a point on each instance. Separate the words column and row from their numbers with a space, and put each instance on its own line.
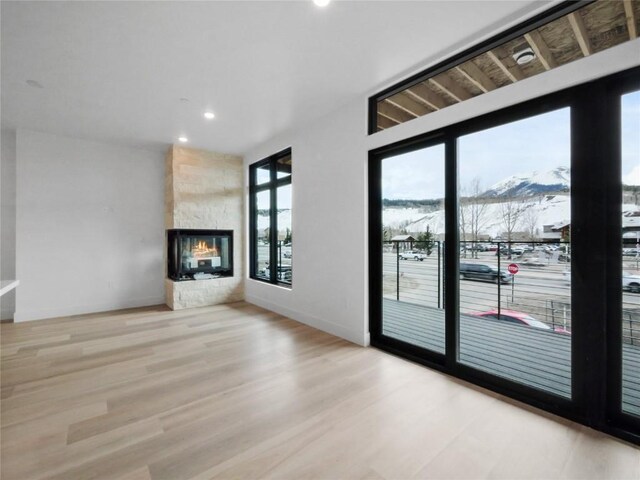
column 531, row 184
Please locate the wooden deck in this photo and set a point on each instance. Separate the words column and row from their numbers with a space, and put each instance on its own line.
column 539, row 358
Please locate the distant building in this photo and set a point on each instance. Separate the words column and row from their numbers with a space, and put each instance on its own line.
column 556, row 231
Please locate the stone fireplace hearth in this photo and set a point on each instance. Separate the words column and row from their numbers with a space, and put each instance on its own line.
column 204, row 191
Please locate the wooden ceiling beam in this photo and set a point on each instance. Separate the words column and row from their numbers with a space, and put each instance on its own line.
column 444, row 83
column 512, row 72
column 539, row 46
column 408, row 105
column 393, row 113
column 476, row 76
column 631, row 19
column 580, row 31
column 384, row 122
column 425, row 95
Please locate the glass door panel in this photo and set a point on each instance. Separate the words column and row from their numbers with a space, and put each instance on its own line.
column 631, row 253
column 412, row 250
column 515, row 251
column 263, row 201
column 285, row 254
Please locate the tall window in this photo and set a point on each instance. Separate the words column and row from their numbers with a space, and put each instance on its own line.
column 271, row 247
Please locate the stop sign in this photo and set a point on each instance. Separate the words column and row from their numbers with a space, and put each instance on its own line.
column 513, row 268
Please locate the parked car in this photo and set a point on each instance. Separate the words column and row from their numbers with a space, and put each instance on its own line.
column 631, row 282
column 519, row 318
column 534, row 262
column 413, row 255
column 515, row 251
column 479, row 271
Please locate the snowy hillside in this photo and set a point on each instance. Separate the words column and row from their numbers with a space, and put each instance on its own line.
column 534, row 183
column 546, row 211
column 395, row 217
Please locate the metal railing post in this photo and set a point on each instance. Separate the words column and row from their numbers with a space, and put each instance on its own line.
column 499, row 299
column 398, row 271
column 439, row 276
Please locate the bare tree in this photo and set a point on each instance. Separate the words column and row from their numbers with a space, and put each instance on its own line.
column 511, row 212
column 472, row 217
column 530, row 223
column 463, row 219
column 477, row 212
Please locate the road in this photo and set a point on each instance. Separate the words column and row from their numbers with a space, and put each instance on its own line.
column 536, row 290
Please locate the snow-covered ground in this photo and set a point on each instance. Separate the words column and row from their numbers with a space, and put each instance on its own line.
column 396, row 217
column 547, row 210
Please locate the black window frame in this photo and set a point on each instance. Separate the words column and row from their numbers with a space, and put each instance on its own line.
column 596, row 264
column 272, row 187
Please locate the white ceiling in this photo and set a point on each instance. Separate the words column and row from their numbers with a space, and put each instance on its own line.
column 115, row 71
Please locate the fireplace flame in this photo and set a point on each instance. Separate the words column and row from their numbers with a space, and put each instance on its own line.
column 203, row 250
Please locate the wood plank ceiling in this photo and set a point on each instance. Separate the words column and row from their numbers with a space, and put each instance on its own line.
column 589, row 30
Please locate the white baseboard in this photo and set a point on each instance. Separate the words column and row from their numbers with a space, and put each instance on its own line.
column 333, row 328
column 25, row 315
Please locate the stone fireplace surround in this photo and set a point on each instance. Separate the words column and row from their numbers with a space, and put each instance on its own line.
column 204, row 190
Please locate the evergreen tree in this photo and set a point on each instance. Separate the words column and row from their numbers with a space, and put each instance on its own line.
column 425, row 241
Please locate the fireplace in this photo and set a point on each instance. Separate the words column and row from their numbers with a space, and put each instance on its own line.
column 199, row 254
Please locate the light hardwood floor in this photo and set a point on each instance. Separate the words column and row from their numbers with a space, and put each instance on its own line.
column 235, row 391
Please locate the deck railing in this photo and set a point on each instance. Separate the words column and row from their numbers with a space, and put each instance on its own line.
column 413, row 271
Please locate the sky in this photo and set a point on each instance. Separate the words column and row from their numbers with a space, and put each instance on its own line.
column 539, row 143
column 284, row 198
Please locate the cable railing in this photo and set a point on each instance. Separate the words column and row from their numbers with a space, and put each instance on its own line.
column 517, row 282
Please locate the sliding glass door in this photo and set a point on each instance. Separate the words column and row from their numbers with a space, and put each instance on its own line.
column 505, row 250
column 514, row 203
column 630, row 180
column 411, row 247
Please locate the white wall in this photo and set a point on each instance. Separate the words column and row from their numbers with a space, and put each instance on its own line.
column 330, row 195
column 89, row 226
column 7, row 219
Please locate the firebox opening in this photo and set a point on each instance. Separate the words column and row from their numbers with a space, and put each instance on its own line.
column 199, row 254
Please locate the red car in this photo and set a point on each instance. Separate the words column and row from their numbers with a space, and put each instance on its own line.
column 519, row 318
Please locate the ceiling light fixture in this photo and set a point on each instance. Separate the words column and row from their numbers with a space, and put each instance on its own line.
column 183, row 139
column 209, row 115
column 321, row 3
column 524, row 56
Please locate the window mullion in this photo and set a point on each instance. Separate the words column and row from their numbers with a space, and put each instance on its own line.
column 273, row 228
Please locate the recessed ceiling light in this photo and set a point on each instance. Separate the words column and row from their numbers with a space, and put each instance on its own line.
column 183, row 139
column 321, row 3
column 524, row 56
column 209, row 115
column 34, row 84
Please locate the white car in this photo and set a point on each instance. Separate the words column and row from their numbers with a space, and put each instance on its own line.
column 631, row 282
column 413, row 255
